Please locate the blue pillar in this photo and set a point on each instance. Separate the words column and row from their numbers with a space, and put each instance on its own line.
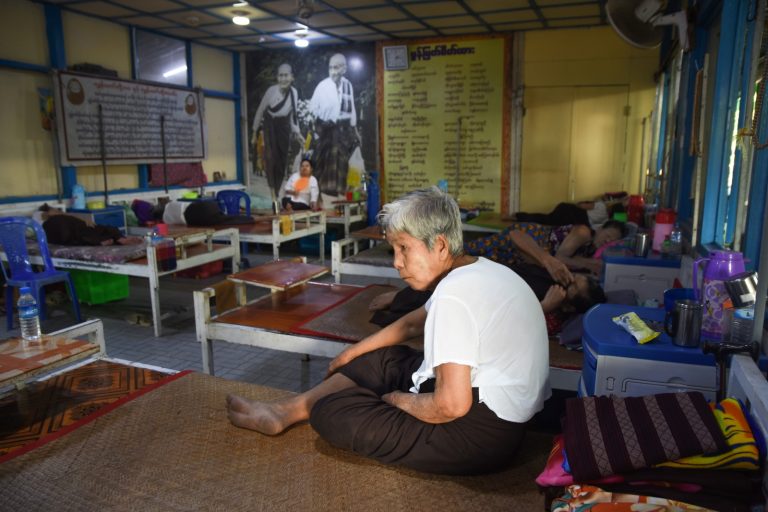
column 54, row 30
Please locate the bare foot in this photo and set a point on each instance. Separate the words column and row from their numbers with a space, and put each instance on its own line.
column 130, row 240
column 266, row 418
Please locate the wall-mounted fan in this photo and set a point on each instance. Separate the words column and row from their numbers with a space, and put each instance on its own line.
column 640, row 22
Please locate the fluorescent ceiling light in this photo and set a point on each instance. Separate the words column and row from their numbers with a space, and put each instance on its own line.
column 301, row 36
column 240, row 4
column 175, row 71
column 241, row 20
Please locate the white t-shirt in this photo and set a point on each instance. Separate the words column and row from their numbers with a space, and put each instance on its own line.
column 174, row 212
column 597, row 215
column 485, row 316
column 308, row 194
column 326, row 102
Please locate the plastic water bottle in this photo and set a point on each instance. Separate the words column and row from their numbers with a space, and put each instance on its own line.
column 676, row 241
column 29, row 315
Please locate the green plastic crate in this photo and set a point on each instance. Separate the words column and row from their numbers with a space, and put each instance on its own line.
column 99, row 287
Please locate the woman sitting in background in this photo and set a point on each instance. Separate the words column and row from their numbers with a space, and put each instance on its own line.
column 302, row 189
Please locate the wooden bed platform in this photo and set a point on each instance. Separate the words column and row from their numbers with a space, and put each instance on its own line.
column 312, row 318
column 346, row 213
column 195, row 247
column 267, row 230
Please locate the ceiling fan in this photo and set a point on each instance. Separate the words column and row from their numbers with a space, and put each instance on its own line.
column 641, row 22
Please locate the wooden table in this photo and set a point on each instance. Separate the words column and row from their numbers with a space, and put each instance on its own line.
column 264, row 322
column 277, row 276
column 372, row 233
column 22, row 361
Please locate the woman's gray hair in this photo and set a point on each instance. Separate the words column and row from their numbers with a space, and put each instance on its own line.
column 424, row 214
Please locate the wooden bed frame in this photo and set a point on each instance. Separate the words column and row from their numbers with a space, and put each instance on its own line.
column 268, row 322
column 343, row 255
column 267, row 230
column 350, row 212
column 197, row 249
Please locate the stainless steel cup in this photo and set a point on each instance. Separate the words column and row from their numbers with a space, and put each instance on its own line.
column 683, row 323
column 642, row 244
column 742, row 289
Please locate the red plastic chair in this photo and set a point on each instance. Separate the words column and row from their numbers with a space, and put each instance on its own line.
column 13, row 239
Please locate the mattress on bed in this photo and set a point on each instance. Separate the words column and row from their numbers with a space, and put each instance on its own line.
column 95, row 253
column 380, row 255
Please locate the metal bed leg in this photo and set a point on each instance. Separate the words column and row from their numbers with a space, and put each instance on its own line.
column 154, row 290
column 202, row 300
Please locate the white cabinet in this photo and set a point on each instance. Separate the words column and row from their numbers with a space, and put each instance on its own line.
column 648, row 277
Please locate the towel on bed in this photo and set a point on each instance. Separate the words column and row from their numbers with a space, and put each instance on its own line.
column 610, row 435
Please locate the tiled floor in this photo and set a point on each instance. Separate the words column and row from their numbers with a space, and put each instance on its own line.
column 130, row 338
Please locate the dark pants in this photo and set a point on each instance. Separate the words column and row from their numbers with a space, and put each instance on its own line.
column 68, row 230
column 562, row 215
column 295, row 205
column 277, row 144
column 356, row 419
column 207, row 213
column 335, row 144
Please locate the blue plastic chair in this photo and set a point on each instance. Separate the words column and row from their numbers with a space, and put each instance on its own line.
column 230, row 202
column 13, row 238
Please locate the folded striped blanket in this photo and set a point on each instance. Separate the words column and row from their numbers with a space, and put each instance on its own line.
column 609, row 435
column 743, row 450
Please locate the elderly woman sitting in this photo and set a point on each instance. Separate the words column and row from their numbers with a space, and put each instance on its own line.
column 460, row 406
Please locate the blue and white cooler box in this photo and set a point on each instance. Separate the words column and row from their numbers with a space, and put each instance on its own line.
column 616, row 364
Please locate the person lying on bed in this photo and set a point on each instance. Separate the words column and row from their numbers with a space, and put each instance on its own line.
column 589, row 213
column 62, row 228
column 573, row 245
column 197, row 213
column 461, row 405
column 576, row 297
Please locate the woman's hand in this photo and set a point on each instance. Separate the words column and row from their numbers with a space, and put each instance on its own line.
column 557, row 270
column 553, row 299
column 340, row 360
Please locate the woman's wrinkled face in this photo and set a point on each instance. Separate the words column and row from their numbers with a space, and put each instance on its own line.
column 606, row 235
column 418, row 266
